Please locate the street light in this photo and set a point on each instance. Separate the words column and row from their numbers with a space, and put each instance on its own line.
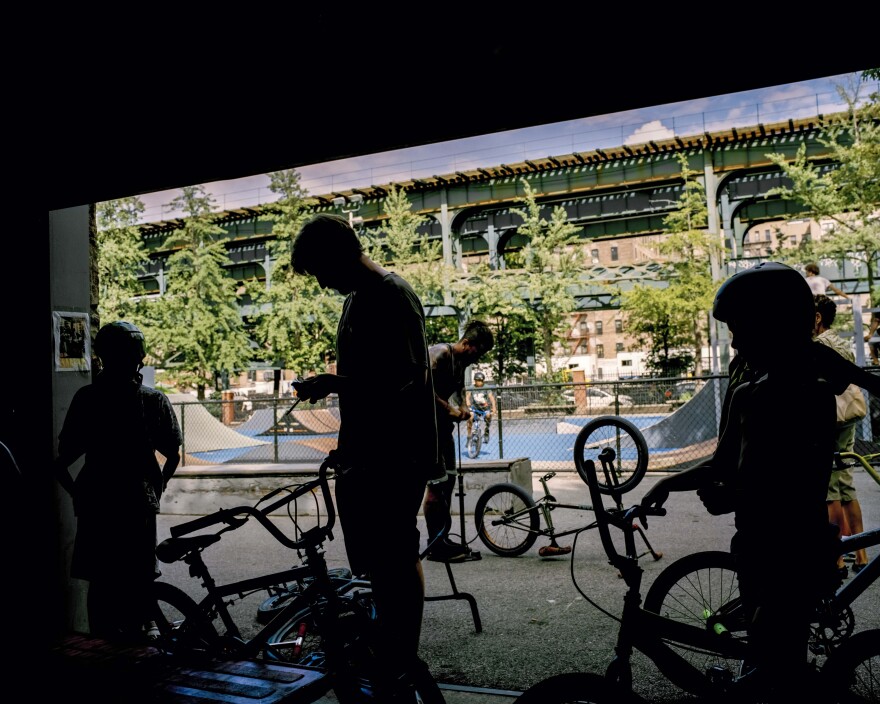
column 350, row 205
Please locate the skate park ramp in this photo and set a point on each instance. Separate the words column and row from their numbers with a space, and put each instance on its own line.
column 686, row 436
column 204, row 432
column 317, row 421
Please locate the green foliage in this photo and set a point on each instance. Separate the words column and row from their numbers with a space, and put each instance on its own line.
column 848, row 195
column 412, row 255
column 553, row 260
column 294, row 319
column 671, row 322
column 120, row 259
column 200, row 328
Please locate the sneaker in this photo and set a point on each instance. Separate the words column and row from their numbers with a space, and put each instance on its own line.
column 448, row 552
column 554, row 550
column 856, row 568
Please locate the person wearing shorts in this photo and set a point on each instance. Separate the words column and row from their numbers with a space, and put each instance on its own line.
column 382, row 371
column 844, row 509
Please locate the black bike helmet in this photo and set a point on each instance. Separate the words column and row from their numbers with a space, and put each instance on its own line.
column 120, row 342
column 769, row 288
column 479, row 376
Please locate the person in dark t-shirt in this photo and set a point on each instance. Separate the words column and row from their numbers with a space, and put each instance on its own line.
column 448, row 365
column 383, row 371
column 119, row 425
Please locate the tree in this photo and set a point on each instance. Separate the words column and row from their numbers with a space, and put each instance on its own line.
column 294, row 319
column 847, row 195
column 201, row 334
column 671, row 322
column 120, row 259
column 497, row 297
column 415, row 257
column 552, row 261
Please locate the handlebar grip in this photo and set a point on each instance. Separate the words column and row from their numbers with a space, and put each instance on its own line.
column 221, row 516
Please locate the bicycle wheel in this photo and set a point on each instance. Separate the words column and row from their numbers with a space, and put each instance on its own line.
column 503, row 532
column 573, row 688
column 701, row 590
column 615, row 444
column 301, row 641
column 474, row 443
column 271, row 606
column 182, row 624
column 852, row 673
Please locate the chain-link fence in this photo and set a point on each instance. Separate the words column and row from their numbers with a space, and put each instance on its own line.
column 678, row 416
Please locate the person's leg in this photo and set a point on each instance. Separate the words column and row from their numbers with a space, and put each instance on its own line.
column 851, row 512
column 436, row 507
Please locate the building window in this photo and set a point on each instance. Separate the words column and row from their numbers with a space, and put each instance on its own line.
column 595, row 255
column 582, row 347
column 584, row 328
column 618, row 325
column 600, row 351
column 598, row 327
column 767, row 235
column 618, row 347
column 614, row 254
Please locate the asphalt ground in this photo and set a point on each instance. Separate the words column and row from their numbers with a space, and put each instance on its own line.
column 537, row 616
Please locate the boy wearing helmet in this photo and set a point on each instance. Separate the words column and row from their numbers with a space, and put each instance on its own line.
column 118, row 425
column 779, row 418
column 483, row 399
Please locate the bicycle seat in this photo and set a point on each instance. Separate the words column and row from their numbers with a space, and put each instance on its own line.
column 172, row 549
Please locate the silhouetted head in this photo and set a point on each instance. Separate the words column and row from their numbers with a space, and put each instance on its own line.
column 769, row 310
column 327, row 248
column 477, row 340
column 121, row 349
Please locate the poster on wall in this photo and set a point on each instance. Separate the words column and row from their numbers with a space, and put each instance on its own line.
column 73, row 351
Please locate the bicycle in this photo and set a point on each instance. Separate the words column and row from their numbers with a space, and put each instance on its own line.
column 326, row 625
column 702, row 587
column 479, row 434
column 508, row 518
column 663, row 639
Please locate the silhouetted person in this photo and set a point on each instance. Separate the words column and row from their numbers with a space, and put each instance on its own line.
column 776, row 448
column 118, row 425
column 448, row 365
column 383, row 372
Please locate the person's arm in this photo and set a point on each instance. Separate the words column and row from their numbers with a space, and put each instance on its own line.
column 837, row 290
column 873, row 328
column 493, row 403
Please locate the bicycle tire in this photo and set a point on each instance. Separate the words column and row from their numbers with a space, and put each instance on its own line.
column 630, row 459
column 475, row 443
column 273, row 605
column 515, row 537
column 694, row 589
column 354, row 621
column 852, row 672
column 182, row 624
column 574, row 688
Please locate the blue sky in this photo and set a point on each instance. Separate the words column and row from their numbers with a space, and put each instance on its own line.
column 766, row 105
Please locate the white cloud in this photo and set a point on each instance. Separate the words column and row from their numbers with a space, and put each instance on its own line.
column 650, row 131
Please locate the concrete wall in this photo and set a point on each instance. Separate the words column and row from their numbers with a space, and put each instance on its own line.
column 201, row 490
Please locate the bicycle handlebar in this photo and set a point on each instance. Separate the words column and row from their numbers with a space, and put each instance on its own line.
column 313, row 536
column 622, row 520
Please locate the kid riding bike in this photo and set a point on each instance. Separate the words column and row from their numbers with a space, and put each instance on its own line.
column 483, row 406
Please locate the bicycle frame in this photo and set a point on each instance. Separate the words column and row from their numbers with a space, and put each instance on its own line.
column 315, row 567
column 651, row 633
column 645, row 631
column 547, row 504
